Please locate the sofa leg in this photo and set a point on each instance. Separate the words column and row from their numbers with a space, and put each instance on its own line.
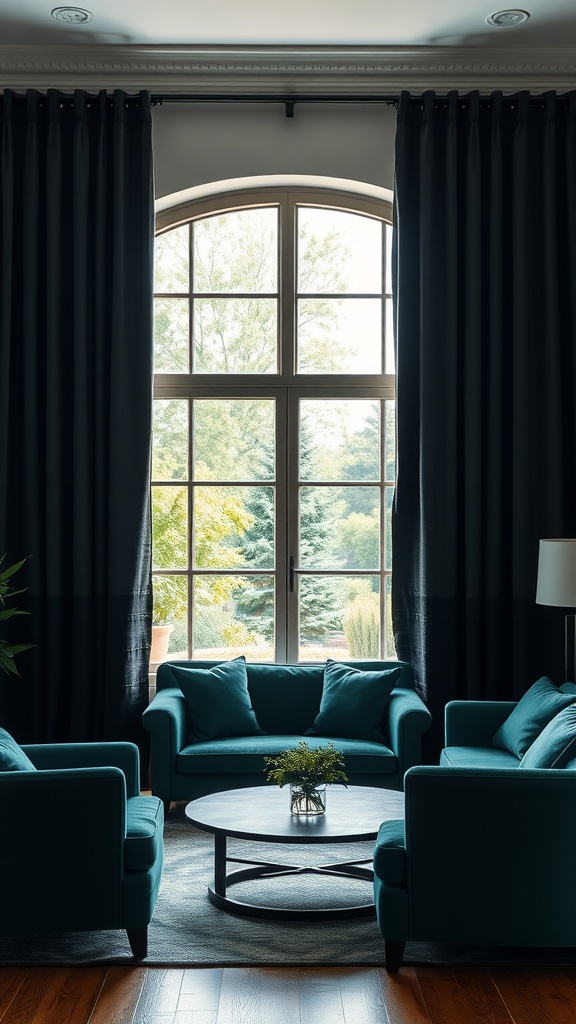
column 393, row 955
column 166, row 807
column 138, row 939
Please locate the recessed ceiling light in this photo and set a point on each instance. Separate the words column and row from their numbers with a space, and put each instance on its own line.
column 71, row 15
column 507, row 19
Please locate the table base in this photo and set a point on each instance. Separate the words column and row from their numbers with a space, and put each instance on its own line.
column 217, row 890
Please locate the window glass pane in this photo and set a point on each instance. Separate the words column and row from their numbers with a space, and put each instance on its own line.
column 170, row 439
column 339, row 440
column 389, row 339
column 170, row 527
column 237, row 252
column 171, row 261
column 339, row 527
column 234, row 615
column 338, row 252
column 233, row 527
column 170, row 610
column 388, row 284
column 171, row 335
column 339, row 618
column 234, row 439
column 339, row 336
column 390, row 439
column 233, row 335
column 390, row 646
column 388, row 504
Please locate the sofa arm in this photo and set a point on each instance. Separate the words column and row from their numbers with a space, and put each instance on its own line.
column 472, row 723
column 490, row 853
column 166, row 720
column 64, row 862
column 408, row 719
column 121, row 754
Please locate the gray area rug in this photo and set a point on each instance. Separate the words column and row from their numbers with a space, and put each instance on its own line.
column 188, row 931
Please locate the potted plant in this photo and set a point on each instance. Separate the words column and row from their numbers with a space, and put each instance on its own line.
column 308, row 770
column 169, row 606
column 7, row 591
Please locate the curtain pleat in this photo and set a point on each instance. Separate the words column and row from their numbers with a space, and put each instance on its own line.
column 485, row 307
column 76, row 235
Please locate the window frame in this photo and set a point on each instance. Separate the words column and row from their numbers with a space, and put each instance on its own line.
column 286, row 386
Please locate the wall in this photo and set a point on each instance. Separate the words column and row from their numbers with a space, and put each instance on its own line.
column 198, row 143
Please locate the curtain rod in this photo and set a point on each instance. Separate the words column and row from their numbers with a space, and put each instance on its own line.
column 288, row 102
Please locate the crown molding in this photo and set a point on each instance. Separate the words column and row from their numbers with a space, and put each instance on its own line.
column 284, row 71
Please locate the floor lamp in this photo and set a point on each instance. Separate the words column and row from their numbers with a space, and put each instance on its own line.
column 557, row 586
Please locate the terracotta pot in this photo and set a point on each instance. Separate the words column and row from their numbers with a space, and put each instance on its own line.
column 160, row 641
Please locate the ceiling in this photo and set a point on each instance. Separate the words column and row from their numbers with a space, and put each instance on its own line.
column 272, row 22
column 287, row 47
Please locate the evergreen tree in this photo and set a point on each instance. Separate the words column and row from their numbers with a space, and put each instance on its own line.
column 320, row 597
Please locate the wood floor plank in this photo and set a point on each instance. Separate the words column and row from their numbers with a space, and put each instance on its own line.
column 534, row 997
column 362, row 995
column 200, row 989
column 11, row 979
column 482, row 997
column 403, row 997
column 160, row 994
column 320, row 998
column 443, row 998
column 119, row 995
column 60, row 995
column 259, row 996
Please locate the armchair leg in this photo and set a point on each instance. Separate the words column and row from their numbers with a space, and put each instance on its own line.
column 393, row 955
column 138, row 939
column 166, row 807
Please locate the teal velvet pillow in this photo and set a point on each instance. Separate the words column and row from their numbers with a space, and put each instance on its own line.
column 12, row 757
column 217, row 700
column 353, row 702
column 556, row 744
column 537, row 707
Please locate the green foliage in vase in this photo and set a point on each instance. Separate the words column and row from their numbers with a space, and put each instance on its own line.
column 7, row 591
column 306, row 766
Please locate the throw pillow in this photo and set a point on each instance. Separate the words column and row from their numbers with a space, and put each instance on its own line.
column 353, row 702
column 12, row 757
column 217, row 700
column 537, row 707
column 556, row 744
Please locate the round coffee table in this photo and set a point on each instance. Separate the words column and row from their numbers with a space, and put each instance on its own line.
column 262, row 814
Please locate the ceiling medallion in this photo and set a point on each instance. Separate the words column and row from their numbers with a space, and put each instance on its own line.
column 507, row 19
column 71, row 15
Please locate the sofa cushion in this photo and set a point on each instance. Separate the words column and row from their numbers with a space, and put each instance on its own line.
column 556, row 744
column 532, row 713
column 245, row 755
column 12, row 757
column 353, row 702
column 390, row 852
column 217, row 700
column 144, row 832
column 285, row 698
column 477, row 757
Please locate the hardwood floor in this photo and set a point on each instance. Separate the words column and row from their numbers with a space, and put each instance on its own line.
column 249, row 995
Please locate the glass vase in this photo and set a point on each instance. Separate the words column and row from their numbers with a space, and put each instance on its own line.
column 307, row 801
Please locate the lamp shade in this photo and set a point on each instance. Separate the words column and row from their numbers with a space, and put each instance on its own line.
column 557, row 572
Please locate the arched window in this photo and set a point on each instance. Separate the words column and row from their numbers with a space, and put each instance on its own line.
column 274, row 441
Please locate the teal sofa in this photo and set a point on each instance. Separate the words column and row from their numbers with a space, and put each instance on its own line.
column 485, row 855
column 82, row 849
column 286, row 700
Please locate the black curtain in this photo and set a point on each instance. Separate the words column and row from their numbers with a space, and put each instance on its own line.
column 76, row 237
column 485, row 301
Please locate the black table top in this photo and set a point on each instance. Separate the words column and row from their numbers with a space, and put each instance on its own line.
column 263, row 813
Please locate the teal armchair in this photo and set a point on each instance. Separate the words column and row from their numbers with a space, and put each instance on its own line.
column 82, row 849
column 485, row 856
